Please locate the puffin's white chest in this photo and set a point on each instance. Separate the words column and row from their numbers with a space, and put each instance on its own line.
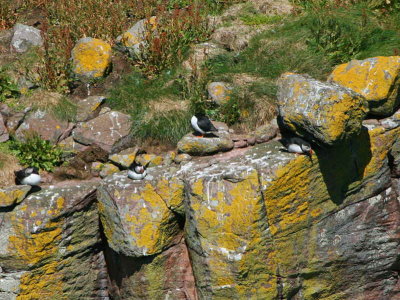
column 136, row 176
column 33, row 179
column 196, row 127
column 295, row 148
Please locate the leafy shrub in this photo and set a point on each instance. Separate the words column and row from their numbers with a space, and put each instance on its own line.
column 37, row 152
column 7, row 87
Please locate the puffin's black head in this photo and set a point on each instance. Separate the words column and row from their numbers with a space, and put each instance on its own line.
column 31, row 170
column 199, row 115
column 306, row 147
column 137, row 167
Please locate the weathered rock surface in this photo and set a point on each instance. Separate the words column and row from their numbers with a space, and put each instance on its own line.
column 3, row 130
column 107, row 130
column 124, row 158
column 377, row 79
column 89, row 108
column 194, row 145
column 25, row 37
column 137, row 216
column 13, row 195
column 91, row 57
column 50, row 245
column 134, row 39
column 324, row 112
column 199, row 54
column 44, row 124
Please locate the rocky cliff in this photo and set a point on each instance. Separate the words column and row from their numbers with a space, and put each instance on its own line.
column 253, row 223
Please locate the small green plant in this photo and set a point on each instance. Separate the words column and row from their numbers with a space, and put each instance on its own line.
column 8, row 88
column 260, row 19
column 65, row 110
column 36, row 152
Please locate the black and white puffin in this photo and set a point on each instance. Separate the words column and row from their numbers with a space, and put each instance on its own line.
column 28, row 176
column 202, row 124
column 136, row 171
column 298, row 145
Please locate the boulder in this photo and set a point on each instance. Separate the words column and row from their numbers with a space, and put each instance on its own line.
column 44, row 124
column 91, row 58
column 137, row 215
column 108, row 130
column 377, row 79
column 3, row 130
column 266, row 132
column 150, row 160
column 13, row 195
column 124, row 158
column 89, row 108
column 194, row 145
column 133, row 40
column 180, row 158
column 219, row 92
column 323, row 112
column 25, row 37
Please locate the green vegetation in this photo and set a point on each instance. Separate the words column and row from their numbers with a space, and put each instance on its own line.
column 65, row 110
column 37, row 152
column 8, row 88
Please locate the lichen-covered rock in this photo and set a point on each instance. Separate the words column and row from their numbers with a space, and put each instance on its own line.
column 108, row 169
column 13, row 195
column 50, row 245
column 44, row 124
column 134, row 40
column 137, row 215
column 124, row 158
column 324, row 112
column 180, row 158
column 24, row 37
column 166, row 276
column 91, row 57
column 193, row 145
column 377, row 79
column 107, row 130
column 89, row 108
column 3, row 130
column 150, row 160
column 70, row 146
column 219, row 92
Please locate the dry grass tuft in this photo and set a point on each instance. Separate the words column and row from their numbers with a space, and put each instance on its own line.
column 8, row 164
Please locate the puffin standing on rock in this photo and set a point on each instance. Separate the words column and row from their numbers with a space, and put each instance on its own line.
column 298, row 145
column 202, row 124
column 136, row 171
column 28, row 176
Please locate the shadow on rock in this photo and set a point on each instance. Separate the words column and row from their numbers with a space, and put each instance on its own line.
column 345, row 164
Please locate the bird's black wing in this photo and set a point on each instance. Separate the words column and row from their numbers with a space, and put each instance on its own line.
column 205, row 124
column 19, row 175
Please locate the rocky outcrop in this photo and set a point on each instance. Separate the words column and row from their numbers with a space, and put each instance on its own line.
column 323, row 112
column 377, row 79
column 219, row 92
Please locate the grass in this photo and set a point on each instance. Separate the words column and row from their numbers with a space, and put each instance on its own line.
column 65, row 110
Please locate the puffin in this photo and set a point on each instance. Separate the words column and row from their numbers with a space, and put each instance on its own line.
column 202, row 124
column 298, row 145
column 136, row 171
column 28, row 176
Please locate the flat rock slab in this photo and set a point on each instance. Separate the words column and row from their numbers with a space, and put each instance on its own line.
column 13, row 195
column 326, row 113
column 106, row 130
column 44, row 124
column 137, row 215
column 377, row 79
column 194, row 145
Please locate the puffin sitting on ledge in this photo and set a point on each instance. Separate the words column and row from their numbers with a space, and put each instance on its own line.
column 298, row 145
column 28, row 176
column 202, row 125
column 136, row 171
